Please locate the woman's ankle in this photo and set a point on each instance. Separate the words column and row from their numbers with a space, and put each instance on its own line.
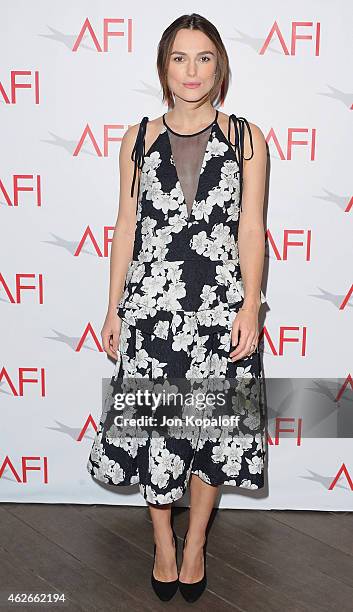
column 164, row 537
column 195, row 539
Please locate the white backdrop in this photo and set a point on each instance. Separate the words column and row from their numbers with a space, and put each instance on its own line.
column 66, row 100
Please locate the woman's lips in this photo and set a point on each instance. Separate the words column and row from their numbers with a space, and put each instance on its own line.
column 192, row 85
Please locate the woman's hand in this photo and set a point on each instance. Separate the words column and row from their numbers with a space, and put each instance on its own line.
column 247, row 323
column 110, row 333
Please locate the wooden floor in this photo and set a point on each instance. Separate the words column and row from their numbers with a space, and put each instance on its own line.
column 100, row 557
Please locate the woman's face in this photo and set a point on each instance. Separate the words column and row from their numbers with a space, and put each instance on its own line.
column 192, row 65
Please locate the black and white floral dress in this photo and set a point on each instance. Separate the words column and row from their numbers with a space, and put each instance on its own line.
column 182, row 292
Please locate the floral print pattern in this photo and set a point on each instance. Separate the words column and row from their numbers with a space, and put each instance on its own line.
column 182, row 292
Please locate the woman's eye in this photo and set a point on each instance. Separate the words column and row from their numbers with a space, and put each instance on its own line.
column 204, row 57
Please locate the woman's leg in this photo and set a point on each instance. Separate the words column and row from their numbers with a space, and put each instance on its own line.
column 202, row 501
column 165, row 567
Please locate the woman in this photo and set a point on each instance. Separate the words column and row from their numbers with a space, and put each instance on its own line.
column 186, row 263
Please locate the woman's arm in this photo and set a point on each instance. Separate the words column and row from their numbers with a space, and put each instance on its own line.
column 122, row 242
column 251, row 242
column 124, row 231
column 251, row 236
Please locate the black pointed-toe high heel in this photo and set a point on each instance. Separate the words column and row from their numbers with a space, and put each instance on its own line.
column 165, row 590
column 192, row 591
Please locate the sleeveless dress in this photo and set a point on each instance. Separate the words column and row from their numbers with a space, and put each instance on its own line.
column 182, row 291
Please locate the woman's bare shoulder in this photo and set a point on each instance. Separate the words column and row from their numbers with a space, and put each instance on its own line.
column 258, row 140
column 153, row 128
column 257, row 135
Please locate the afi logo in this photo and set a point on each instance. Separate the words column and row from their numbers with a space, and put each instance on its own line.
column 287, row 334
column 87, row 28
column 38, row 380
column 24, row 467
column 342, row 472
column 309, row 141
column 88, row 133
column 88, row 237
column 15, row 298
column 312, row 33
column 297, row 427
column 12, row 194
column 15, row 84
column 88, row 331
column 281, row 250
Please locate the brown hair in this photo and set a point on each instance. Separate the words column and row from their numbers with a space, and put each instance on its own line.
column 194, row 21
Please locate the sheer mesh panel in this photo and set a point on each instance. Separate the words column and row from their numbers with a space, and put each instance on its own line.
column 188, row 153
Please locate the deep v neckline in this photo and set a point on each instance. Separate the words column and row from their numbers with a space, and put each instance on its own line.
column 211, row 127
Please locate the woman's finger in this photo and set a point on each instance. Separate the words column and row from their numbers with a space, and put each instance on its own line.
column 250, row 347
column 115, row 343
column 240, row 350
column 105, row 342
column 254, row 344
column 235, row 334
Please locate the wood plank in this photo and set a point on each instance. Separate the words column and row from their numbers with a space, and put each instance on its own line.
column 322, row 526
column 17, row 580
column 107, row 555
column 283, row 544
column 35, row 551
column 258, row 561
column 225, row 582
column 134, row 525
